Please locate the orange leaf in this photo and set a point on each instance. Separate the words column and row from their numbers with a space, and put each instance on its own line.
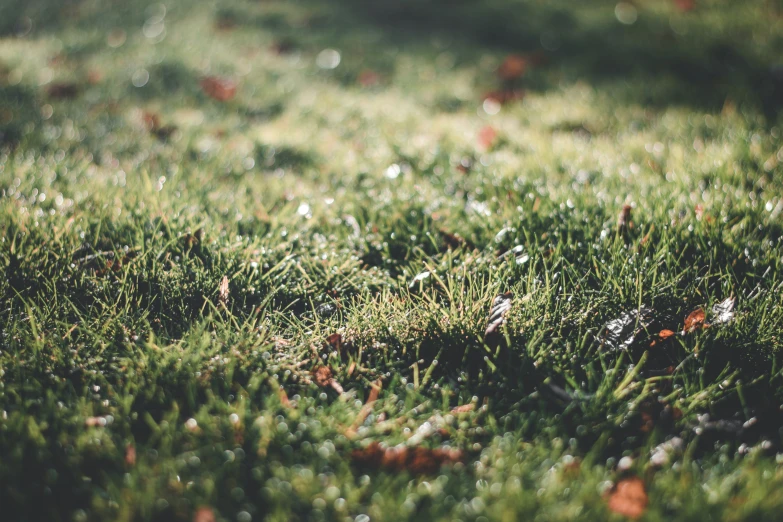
column 221, row 89
column 514, row 66
column 665, row 334
column 628, row 498
column 695, row 320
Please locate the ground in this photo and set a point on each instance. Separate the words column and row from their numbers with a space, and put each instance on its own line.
column 391, row 260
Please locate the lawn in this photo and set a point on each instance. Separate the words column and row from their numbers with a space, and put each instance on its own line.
column 391, row 260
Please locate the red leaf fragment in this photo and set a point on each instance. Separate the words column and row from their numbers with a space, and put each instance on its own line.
column 220, row 89
column 628, row 498
column 223, row 291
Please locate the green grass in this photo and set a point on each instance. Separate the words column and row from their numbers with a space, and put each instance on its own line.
column 133, row 388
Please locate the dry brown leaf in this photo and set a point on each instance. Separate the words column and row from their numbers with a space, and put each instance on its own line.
column 223, row 291
column 665, row 334
column 695, row 320
column 628, row 498
column 220, row 89
column 322, row 376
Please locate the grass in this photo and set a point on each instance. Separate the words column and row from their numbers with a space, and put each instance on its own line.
column 359, row 200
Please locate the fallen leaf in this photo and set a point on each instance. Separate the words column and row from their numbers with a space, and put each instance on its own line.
column 513, row 67
column 487, row 136
column 322, row 376
column 665, row 334
column 221, row 89
column 695, row 320
column 500, row 306
column 723, row 312
column 223, row 291
column 628, row 498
